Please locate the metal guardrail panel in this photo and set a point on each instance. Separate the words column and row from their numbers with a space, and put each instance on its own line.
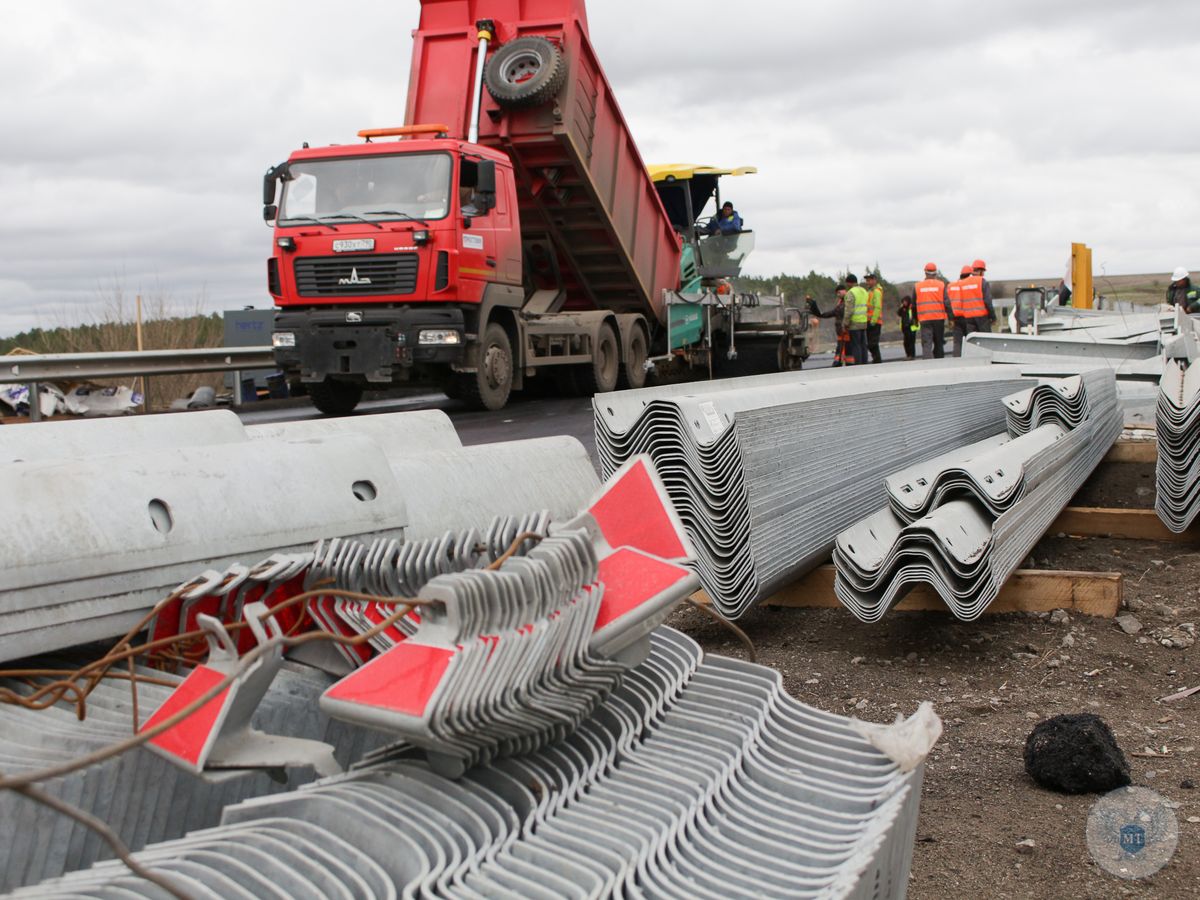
column 1177, row 419
column 963, row 525
column 765, row 471
column 697, row 776
column 86, row 366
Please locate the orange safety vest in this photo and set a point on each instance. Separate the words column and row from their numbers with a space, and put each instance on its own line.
column 954, row 292
column 931, row 300
column 973, row 306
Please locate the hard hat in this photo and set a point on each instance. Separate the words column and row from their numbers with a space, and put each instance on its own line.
column 930, row 267
column 966, row 270
column 1179, row 274
column 979, row 264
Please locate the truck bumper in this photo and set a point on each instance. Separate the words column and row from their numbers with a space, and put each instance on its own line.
column 376, row 346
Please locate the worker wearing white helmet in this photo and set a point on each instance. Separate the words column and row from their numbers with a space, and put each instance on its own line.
column 1183, row 291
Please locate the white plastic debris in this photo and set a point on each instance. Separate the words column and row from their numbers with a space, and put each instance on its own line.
column 906, row 742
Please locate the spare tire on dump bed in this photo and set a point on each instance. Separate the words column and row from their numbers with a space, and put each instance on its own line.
column 525, row 72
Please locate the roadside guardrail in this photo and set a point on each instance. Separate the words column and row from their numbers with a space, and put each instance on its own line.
column 34, row 369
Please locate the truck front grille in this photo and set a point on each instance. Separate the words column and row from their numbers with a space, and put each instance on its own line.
column 356, row 276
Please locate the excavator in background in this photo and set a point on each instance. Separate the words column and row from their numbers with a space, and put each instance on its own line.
column 507, row 233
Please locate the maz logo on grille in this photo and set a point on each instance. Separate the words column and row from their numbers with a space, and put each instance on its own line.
column 354, row 279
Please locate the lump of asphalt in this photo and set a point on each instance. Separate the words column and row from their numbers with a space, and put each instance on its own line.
column 1075, row 754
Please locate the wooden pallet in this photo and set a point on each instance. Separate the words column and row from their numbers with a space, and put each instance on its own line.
column 1133, row 452
column 1028, row 590
column 1127, row 524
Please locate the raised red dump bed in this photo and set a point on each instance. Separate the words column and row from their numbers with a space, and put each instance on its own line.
column 582, row 186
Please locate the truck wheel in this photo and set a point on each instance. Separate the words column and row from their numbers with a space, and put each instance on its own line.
column 633, row 370
column 490, row 384
column 600, row 376
column 526, row 72
column 335, row 398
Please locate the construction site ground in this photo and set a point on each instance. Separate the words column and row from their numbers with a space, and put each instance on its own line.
column 992, row 681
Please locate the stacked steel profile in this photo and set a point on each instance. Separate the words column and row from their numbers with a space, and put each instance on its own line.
column 105, row 517
column 140, row 795
column 697, row 776
column 962, row 522
column 1177, row 420
column 765, row 471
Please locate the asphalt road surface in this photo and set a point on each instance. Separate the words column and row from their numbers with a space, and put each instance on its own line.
column 522, row 419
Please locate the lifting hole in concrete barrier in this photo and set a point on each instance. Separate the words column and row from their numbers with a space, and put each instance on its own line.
column 160, row 515
column 364, row 491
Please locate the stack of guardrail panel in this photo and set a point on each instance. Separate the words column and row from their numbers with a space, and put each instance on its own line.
column 697, row 776
column 1177, row 420
column 106, row 517
column 141, row 796
column 765, row 471
column 1127, row 344
column 962, row 522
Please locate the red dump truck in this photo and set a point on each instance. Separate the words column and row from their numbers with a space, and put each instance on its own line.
column 509, row 231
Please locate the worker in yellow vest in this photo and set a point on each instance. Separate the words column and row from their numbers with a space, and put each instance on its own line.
column 974, row 312
column 954, row 295
column 856, row 318
column 932, row 309
column 874, row 315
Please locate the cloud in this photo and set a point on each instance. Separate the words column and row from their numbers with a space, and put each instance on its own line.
column 884, row 132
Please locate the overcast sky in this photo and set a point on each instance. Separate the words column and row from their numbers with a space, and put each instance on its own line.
column 135, row 133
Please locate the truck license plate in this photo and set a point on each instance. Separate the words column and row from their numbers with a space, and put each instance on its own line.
column 354, row 245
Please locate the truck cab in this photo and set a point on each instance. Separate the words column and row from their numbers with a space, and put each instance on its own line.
column 385, row 255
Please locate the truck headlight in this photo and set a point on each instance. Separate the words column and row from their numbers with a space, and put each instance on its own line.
column 439, row 336
column 280, row 339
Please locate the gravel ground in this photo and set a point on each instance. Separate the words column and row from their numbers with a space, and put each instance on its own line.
column 991, row 682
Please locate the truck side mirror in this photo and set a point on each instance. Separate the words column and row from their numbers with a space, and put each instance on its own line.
column 485, row 184
column 270, row 181
column 270, row 212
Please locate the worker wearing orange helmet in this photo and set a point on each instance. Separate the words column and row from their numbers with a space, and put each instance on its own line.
column 972, row 300
column 933, row 307
column 954, row 292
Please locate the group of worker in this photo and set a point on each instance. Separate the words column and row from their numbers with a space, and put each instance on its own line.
column 858, row 315
column 857, row 319
column 967, row 303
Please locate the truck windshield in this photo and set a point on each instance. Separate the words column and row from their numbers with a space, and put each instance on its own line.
column 411, row 185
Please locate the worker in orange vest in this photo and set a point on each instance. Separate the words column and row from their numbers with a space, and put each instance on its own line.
column 932, row 309
column 974, row 312
column 980, row 270
column 874, row 315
